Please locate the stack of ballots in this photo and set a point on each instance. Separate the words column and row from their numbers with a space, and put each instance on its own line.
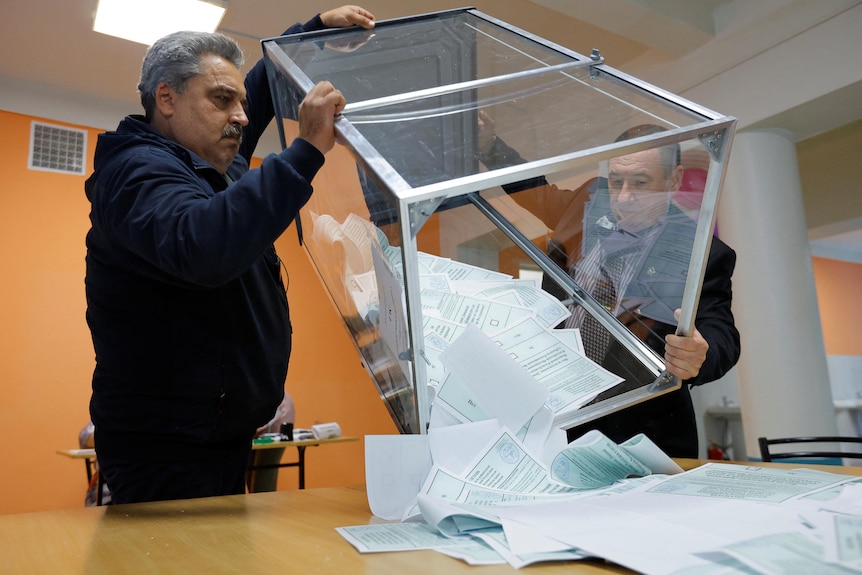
column 480, row 327
column 480, row 493
column 494, row 480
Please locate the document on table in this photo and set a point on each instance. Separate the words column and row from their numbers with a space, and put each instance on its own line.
column 839, row 518
column 782, row 553
column 495, row 550
column 478, row 463
column 843, row 540
column 505, row 472
column 505, row 497
column 395, row 537
column 505, row 466
column 486, row 547
column 595, row 461
column 476, row 467
column 634, row 528
column 748, row 483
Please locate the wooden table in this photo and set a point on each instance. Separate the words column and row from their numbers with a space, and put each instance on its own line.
column 89, row 456
column 278, row 532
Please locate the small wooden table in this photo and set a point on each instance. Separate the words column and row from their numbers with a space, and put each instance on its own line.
column 89, row 457
column 300, row 449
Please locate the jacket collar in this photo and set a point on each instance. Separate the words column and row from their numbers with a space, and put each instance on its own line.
column 136, row 123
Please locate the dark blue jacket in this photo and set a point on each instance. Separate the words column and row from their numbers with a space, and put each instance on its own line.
column 185, row 301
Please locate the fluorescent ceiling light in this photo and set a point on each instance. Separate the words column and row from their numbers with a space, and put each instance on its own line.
column 146, row 21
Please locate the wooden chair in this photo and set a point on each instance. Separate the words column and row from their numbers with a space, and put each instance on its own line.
column 840, row 453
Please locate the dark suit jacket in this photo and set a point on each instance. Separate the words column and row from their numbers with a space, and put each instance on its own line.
column 669, row 420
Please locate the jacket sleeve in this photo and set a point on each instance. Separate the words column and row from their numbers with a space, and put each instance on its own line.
column 260, row 106
column 154, row 206
column 714, row 317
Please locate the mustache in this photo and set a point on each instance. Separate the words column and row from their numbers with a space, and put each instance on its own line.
column 233, row 131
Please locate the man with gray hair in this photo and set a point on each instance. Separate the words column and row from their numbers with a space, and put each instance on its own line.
column 185, row 301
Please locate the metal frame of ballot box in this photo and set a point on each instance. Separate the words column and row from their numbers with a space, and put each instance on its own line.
column 408, row 196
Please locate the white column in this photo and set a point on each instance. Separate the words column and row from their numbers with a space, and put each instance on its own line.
column 782, row 372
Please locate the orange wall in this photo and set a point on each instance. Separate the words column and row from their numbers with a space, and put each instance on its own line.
column 46, row 356
column 840, row 305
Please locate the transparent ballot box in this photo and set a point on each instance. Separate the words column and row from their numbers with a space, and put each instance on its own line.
column 501, row 215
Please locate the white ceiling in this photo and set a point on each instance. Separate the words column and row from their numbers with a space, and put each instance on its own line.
column 791, row 64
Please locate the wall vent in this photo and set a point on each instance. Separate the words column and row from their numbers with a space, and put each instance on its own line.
column 57, row 149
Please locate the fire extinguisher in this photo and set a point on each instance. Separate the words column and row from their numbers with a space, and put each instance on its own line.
column 714, row 451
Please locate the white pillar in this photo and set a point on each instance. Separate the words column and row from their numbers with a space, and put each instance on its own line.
column 782, row 371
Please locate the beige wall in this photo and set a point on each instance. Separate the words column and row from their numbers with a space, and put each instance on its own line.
column 830, row 170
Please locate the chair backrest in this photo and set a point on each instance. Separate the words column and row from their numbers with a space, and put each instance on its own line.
column 767, row 455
